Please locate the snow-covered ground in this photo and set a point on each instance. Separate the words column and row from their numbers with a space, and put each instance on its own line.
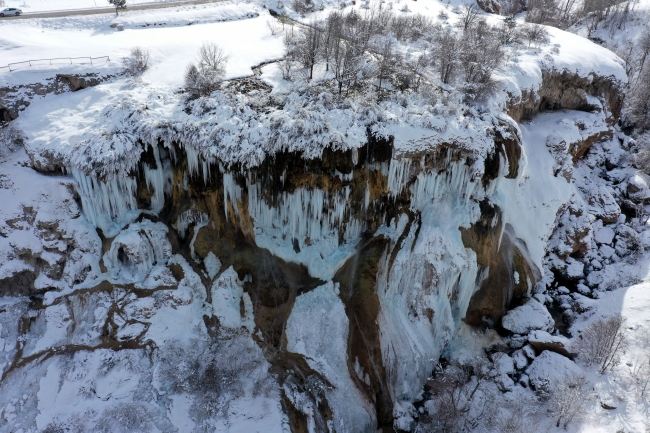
column 173, row 43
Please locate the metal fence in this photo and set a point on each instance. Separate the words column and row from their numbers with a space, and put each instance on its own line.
column 57, row 61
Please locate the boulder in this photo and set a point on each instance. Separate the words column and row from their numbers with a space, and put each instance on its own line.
column 551, row 369
column 528, row 317
column 520, row 360
column 543, row 341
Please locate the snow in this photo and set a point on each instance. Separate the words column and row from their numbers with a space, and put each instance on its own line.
column 172, row 46
column 552, row 369
column 228, row 297
column 320, row 313
column 530, row 316
column 538, row 189
column 604, row 235
column 39, row 215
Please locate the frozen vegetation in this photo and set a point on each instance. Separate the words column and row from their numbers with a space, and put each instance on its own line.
column 327, row 217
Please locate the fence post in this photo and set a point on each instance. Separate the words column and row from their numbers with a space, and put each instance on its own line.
column 91, row 61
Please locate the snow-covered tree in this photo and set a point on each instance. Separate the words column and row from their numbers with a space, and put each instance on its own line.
column 119, row 4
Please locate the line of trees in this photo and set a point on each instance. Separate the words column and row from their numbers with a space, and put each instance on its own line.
column 565, row 13
column 356, row 48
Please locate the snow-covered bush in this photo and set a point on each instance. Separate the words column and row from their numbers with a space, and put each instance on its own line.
column 215, row 372
column 640, row 372
column 568, row 400
column 137, row 62
column 603, row 342
column 273, row 26
column 461, row 397
column 534, row 34
column 125, row 418
column 206, row 75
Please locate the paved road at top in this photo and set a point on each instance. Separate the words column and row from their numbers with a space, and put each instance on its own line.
column 109, row 10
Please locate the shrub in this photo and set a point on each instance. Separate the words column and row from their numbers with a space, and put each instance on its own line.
column 125, row 418
column 137, row 62
column 534, row 34
column 461, row 399
column 603, row 342
column 568, row 400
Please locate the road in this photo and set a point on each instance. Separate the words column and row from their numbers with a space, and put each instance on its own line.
column 98, row 11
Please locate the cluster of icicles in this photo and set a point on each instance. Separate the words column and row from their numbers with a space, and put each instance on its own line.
column 306, row 212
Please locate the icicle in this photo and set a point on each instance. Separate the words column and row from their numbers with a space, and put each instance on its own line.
column 157, row 179
column 190, row 216
column 366, row 197
column 309, row 213
column 398, row 173
column 231, row 193
column 107, row 205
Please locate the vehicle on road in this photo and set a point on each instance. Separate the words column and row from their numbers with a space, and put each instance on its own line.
column 10, row 11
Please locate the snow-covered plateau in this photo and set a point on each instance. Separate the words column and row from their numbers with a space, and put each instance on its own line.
column 380, row 234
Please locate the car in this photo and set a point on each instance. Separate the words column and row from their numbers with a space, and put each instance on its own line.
column 10, row 11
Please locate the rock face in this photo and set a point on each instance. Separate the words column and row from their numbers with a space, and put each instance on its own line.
column 489, row 6
column 366, row 244
column 564, row 90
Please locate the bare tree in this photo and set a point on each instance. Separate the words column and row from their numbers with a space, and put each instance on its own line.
column 212, row 59
column 643, row 46
column 469, row 16
column 448, row 56
column 481, row 54
column 206, row 75
column 273, row 26
column 137, row 62
column 567, row 401
column 603, row 342
column 508, row 32
column 332, row 31
column 387, row 62
column 640, row 373
column 534, row 34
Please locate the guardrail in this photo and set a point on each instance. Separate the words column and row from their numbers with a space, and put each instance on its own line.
column 56, row 61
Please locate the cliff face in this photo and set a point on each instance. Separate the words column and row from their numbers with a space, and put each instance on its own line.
column 396, row 247
column 332, row 284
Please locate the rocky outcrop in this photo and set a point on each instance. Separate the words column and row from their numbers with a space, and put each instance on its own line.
column 489, row 6
column 564, row 90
